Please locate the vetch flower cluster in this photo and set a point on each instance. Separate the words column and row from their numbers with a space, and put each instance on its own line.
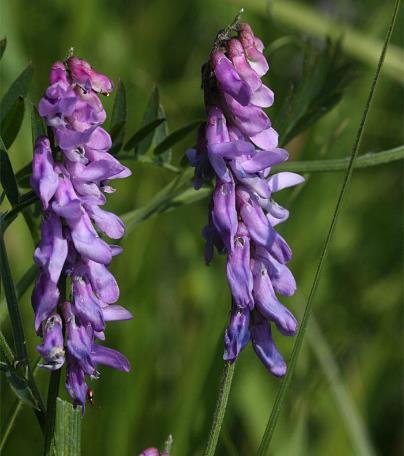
column 238, row 147
column 71, row 179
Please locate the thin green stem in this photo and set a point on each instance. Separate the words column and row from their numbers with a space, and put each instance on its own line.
column 273, row 419
column 51, row 412
column 341, row 164
column 220, row 409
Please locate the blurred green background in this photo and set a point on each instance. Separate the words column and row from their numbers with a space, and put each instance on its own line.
column 346, row 395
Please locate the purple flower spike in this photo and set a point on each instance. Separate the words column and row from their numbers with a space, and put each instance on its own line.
column 239, row 148
column 71, row 190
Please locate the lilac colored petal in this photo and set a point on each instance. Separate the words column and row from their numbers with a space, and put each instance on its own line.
column 265, row 348
column 237, row 334
column 283, row 180
column 79, row 341
column 268, row 305
column 114, row 312
column 45, row 297
column 262, row 160
column 51, row 252
column 76, row 384
column 257, row 60
column 256, row 185
column 100, row 170
column 51, row 349
column 116, row 249
column 239, row 273
column 263, row 97
column 216, row 128
column 44, row 179
column 257, row 224
column 87, row 242
column 277, row 211
column 99, row 140
column 150, row 452
column 110, row 357
column 229, row 80
column 238, row 58
column 69, row 139
column 107, row 222
column 280, row 249
column 213, row 239
column 280, row 275
column 231, row 149
column 86, row 304
column 265, row 139
column 102, row 281
column 251, row 120
column 224, row 215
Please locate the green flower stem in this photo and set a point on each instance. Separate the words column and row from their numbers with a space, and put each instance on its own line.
column 220, row 410
column 279, row 400
column 341, row 164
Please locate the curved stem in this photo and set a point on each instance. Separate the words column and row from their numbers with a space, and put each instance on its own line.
column 277, row 407
column 220, row 409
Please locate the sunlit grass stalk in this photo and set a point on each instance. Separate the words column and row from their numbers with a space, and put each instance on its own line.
column 220, row 409
column 273, row 419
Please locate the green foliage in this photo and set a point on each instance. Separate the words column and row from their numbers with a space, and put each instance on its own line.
column 325, row 77
column 68, row 429
column 176, row 136
column 7, row 177
column 150, row 115
column 118, row 119
column 11, row 123
column 142, row 134
column 3, row 45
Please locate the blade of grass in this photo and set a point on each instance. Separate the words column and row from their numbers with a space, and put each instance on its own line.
column 273, row 419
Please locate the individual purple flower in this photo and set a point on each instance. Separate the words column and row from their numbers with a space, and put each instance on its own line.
column 72, row 190
column 238, row 146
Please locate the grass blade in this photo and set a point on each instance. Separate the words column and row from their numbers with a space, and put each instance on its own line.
column 68, row 429
column 273, row 419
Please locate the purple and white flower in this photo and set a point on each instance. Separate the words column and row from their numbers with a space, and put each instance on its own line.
column 238, row 147
column 72, row 190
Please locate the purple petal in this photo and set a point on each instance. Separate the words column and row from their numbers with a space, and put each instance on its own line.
column 262, row 97
column 44, row 179
column 269, row 306
column 263, row 159
column 51, row 349
column 229, row 80
column 265, row 139
column 265, row 348
column 102, row 281
column 45, row 297
column 224, row 215
column 283, row 180
column 238, row 58
column 239, row 273
column 237, row 334
column 107, row 222
column 86, row 304
column 110, row 357
column 114, row 312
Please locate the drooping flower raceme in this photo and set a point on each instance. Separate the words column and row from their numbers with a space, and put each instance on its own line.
column 71, row 181
column 238, row 147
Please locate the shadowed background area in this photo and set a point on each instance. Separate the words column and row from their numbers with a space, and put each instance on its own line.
column 346, row 395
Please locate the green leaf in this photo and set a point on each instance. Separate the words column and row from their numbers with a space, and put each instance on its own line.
column 150, row 114
column 19, row 88
column 175, row 137
column 3, row 45
column 325, row 77
column 142, row 134
column 21, row 387
column 118, row 119
column 11, row 123
column 26, row 200
column 7, row 178
column 37, row 125
column 160, row 135
column 68, row 429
